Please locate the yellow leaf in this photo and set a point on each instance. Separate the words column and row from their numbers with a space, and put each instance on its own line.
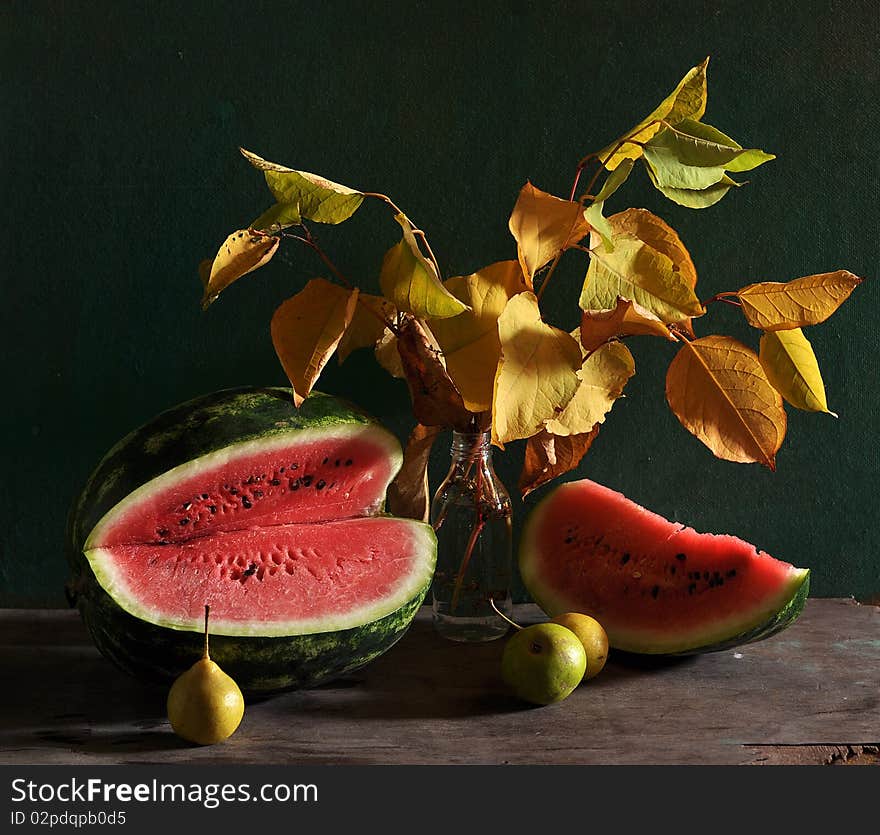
column 388, row 356
column 367, row 325
column 537, row 373
column 543, row 226
column 637, row 271
column 790, row 364
column 410, row 281
column 659, row 235
column 436, row 400
column 602, row 376
column 627, row 318
column 470, row 341
column 242, row 252
column 719, row 392
column 548, row 456
column 306, row 330
column 774, row 305
column 686, row 101
column 408, row 494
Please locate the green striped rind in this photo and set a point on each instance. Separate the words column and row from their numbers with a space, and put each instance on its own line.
column 259, row 665
column 194, row 429
column 786, row 616
column 715, row 637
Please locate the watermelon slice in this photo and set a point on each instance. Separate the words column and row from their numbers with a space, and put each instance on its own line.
column 656, row 586
column 271, row 515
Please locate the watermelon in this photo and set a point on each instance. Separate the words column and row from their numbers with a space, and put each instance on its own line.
column 656, row 586
column 271, row 515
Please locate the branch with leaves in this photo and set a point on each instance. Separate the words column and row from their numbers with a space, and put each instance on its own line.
column 477, row 351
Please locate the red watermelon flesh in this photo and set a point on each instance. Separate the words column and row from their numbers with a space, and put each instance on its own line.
column 655, row 585
column 287, row 579
column 262, row 483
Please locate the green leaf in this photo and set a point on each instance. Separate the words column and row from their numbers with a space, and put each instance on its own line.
column 615, row 180
column 600, row 223
column 410, row 282
column 792, row 369
column 698, row 144
column 318, row 199
column 686, row 101
column 694, row 198
column 637, row 271
column 279, row 216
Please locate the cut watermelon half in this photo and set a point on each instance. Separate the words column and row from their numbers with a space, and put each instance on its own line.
column 656, row 586
column 269, row 514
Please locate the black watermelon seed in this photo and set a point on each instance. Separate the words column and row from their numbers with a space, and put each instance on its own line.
column 655, row 591
column 712, row 583
column 204, row 496
column 720, row 581
column 672, row 569
column 332, row 485
column 250, row 480
column 282, row 469
column 212, row 508
column 293, row 483
column 163, row 532
column 183, row 522
column 705, row 575
column 681, row 557
column 568, row 540
column 624, row 559
column 732, row 572
column 307, row 480
column 258, row 494
column 324, row 461
column 274, row 482
column 187, row 506
column 251, row 569
column 337, row 462
column 321, row 485
column 246, row 503
column 692, row 588
column 348, row 462
column 294, row 466
column 233, row 491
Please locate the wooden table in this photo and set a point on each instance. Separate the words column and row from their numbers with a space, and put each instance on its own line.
column 808, row 695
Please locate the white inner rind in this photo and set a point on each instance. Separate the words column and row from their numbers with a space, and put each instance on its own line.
column 423, row 550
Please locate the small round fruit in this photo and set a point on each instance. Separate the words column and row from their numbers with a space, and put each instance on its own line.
column 204, row 704
column 543, row 663
column 592, row 636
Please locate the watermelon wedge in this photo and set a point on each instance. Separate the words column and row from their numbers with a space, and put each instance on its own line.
column 656, row 586
column 271, row 515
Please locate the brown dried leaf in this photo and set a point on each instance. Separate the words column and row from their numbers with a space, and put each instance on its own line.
column 306, row 330
column 436, row 400
column 775, row 306
column 549, row 456
column 241, row 253
column 408, row 494
column 719, row 392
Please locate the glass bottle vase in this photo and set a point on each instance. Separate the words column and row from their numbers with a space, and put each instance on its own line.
column 471, row 515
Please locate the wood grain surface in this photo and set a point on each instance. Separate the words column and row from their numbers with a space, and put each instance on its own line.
column 808, row 695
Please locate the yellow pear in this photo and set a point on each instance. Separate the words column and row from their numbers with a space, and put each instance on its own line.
column 205, row 705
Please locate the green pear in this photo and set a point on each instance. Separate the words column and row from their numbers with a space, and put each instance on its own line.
column 543, row 663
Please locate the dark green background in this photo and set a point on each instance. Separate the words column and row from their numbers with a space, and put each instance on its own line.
column 120, row 123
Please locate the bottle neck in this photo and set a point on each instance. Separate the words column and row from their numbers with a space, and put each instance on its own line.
column 471, row 446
